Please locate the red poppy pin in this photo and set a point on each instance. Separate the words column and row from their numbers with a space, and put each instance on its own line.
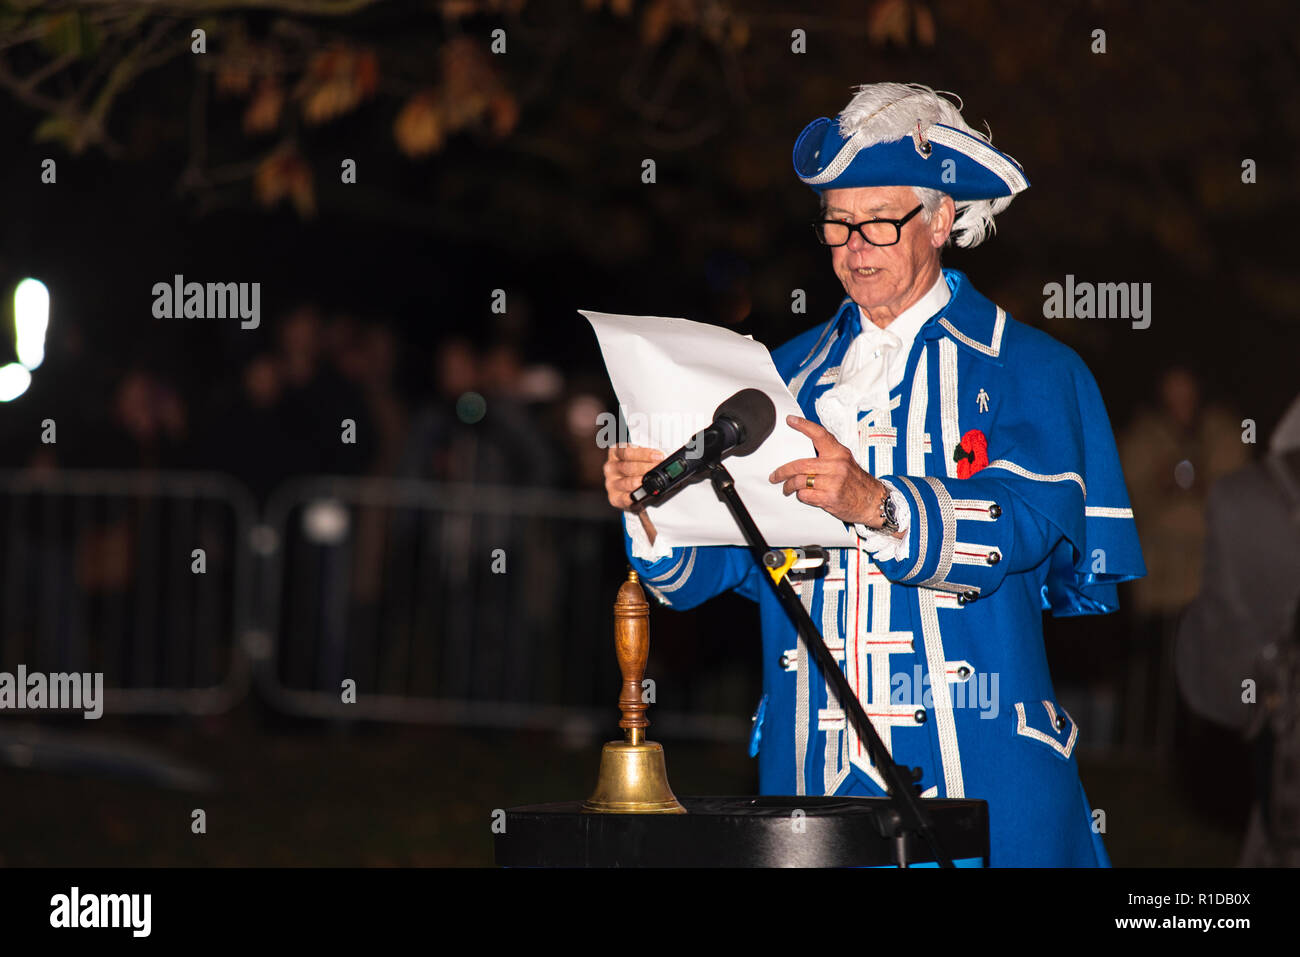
column 971, row 454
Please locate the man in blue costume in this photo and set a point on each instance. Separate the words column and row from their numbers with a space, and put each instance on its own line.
column 973, row 458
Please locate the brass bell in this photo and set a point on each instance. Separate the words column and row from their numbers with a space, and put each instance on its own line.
column 633, row 778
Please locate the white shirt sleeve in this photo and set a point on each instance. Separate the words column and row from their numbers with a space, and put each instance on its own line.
column 641, row 547
column 881, row 545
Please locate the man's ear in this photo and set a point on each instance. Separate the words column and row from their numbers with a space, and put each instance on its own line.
column 941, row 222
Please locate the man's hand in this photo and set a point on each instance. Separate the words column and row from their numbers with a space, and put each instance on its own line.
column 625, row 468
column 841, row 486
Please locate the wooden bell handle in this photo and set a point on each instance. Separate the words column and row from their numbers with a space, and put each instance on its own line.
column 632, row 645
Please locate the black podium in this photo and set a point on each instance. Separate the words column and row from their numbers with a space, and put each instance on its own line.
column 738, row 832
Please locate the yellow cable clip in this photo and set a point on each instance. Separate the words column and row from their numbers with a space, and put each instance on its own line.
column 791, row 556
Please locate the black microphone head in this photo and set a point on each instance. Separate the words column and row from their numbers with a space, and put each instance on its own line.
column 754, row 412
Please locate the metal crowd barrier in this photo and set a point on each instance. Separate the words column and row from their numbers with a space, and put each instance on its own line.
column 144, row 577
column 388, row 600
column 465, row 604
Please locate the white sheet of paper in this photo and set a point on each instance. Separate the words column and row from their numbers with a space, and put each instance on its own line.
column 670, row 376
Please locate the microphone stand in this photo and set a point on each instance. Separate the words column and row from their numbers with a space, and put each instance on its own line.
column 908, row 816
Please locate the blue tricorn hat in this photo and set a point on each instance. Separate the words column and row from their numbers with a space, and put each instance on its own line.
column 938, row 157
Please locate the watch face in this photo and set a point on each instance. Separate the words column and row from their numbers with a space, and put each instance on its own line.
column 888, row 513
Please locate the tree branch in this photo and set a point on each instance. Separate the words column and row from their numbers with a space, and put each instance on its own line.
column 23, row 94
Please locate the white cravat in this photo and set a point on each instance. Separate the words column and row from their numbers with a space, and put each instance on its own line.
column 873, row 366
column 863, row 383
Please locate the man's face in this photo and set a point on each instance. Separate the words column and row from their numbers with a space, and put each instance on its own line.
column 887, row 278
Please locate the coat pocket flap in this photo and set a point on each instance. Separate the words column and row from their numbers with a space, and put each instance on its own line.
column 1048, row 723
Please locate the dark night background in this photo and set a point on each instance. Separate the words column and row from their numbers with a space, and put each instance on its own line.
column 522, row 172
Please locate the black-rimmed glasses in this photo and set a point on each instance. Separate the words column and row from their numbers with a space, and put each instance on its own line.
column 877, row 232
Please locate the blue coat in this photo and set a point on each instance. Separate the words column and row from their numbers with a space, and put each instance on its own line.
column 1046, row 525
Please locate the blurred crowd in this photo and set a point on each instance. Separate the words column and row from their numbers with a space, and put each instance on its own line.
column 327, row 395
column 1174, row 449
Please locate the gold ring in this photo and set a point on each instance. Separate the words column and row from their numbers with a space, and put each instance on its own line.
column 810, row 482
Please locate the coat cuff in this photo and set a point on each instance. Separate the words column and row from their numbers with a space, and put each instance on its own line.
column 955, row 544
column 641, row 547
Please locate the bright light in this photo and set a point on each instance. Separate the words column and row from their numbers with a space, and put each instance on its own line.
column 31, row 318
column 14, row 380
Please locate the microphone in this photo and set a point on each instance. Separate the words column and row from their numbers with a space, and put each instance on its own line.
column 740, row 425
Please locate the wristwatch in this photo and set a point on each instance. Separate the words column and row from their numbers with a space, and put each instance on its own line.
column 887, row 512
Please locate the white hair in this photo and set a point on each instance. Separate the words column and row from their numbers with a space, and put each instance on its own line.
column 886, row 112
